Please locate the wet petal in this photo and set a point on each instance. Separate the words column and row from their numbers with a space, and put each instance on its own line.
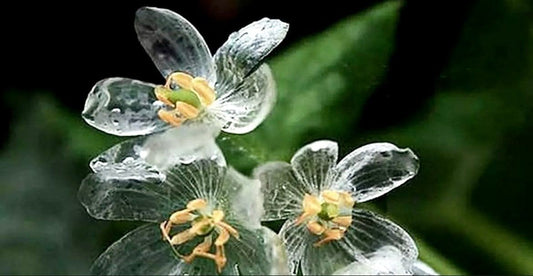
column 258, row 251
column 296, row 239
column 385, row 261
column 312, row 164
column 245, row 197
column 421, row 268
column 140, row 252
column 373, row 170
column 130, row 180
column 368, row 235
column 123, row 107
column 173, row 43
column 244, row 50
column 282, row 192
column 242, row 108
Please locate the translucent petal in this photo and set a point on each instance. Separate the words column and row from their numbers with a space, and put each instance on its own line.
column 245, row 106
column 140, row 252
column 282, row 192
column 245, row 197
column 312, row 164
column 385, row 261
column 373, row 170
column 363, row 240
column 421, row 268
column 173, row 43
column 123, row 107
column 130, row 180
column 244, row 50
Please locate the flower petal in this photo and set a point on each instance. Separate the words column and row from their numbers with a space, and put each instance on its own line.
column 385, row 261
column 245, row 106
column 258, row 251
column 245, row 197
column 173, row 43
column 140, row 252
column 373, row 170
column 421, row 268
column 129, row 180
column 123, row 107
column 283, row 193
column 368, row 235
column 244, row 50
column 313, row 162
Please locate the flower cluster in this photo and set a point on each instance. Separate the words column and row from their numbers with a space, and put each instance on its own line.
column 204, row 217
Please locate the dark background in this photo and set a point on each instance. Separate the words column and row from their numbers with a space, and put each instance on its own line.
column 453, row 71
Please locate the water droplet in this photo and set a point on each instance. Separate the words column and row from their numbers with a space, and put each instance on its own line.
column 115, row 110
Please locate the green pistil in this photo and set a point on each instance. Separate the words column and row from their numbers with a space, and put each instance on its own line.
column 180, row 95
column 329, row 211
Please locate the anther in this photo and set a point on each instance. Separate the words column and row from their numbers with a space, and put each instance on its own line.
column 331, row 196
column 330, row 235
column 204, row 91
column 344, row 221
column 315, row 227
column 161, row 93
column 183, row 80
column 196, row 204
column 170, row 117
column 186, row 110
column 182, row 237
column 311, row 206
column 180, row 217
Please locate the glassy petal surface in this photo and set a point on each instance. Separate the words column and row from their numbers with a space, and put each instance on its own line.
column 312, row 164
column 421, row 268
column 140, row 252
column 242, row 108
column 373, row 170
column 385, row 261
column 245, row 197
column 173, row 43
column 282, row 193
column 296, row 239
column 123, row 107
column 244, row 50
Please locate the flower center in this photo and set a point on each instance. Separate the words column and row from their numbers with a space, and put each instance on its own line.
column 185, row 95
column 203, row 224
column 328, row 215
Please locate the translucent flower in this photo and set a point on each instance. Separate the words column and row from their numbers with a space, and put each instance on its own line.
column 232, row 90
column 325, row 230
column 204, row 217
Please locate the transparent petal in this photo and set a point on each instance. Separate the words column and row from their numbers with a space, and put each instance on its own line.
column 130, row 180
column 421, row 268
column 245, row 106
column 244, row 50
column 312, row 164
column 173, row 43
column 296, row 239
column 373, row 170
column 282, row 192
column 140, row 252
column 123, row 107
column 245, row 197
column 369, row 236
column 385, row 261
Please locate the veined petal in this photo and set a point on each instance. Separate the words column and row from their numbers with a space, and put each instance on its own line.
column 373, row 170
column 245, row 197
column 140, row 252
column 296, row 239
column 242, row 108
column 421, row 268
column 123, row 107
column 367, row 237
column 283, row 193
column 244, row 50
column 385, row 261
column 173, row 43
column 130, row 180
column 312, row 164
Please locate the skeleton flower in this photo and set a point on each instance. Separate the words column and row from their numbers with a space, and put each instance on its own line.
column 325, row 230
column 232, row 90
column 204, row 218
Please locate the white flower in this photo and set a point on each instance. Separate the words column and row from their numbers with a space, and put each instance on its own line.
column 232, row 90
column 204, row 219
column 324, row 232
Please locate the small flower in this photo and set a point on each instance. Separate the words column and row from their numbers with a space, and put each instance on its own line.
column 204, row 219
column 232, row 90
column 325, row 230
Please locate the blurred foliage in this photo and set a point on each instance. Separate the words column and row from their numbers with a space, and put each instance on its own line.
column 468, row 207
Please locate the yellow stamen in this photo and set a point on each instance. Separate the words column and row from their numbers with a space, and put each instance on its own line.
column 316, row 227
column 182, row 237
column 220, row 258
column 330, row 235
column 183, row 80
column 218, row 216
column 199, row 228
column 311, row 206
column 201, row 248
column 230, row 229
column 331, row 197
column 346, row 200
column 196, row 204
column 223, row 237
column 170, row 117
column 180, row 217
column 186, row 110
column 344, row 221
column 161, row 93
column 203, row 90
column 165, row 229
